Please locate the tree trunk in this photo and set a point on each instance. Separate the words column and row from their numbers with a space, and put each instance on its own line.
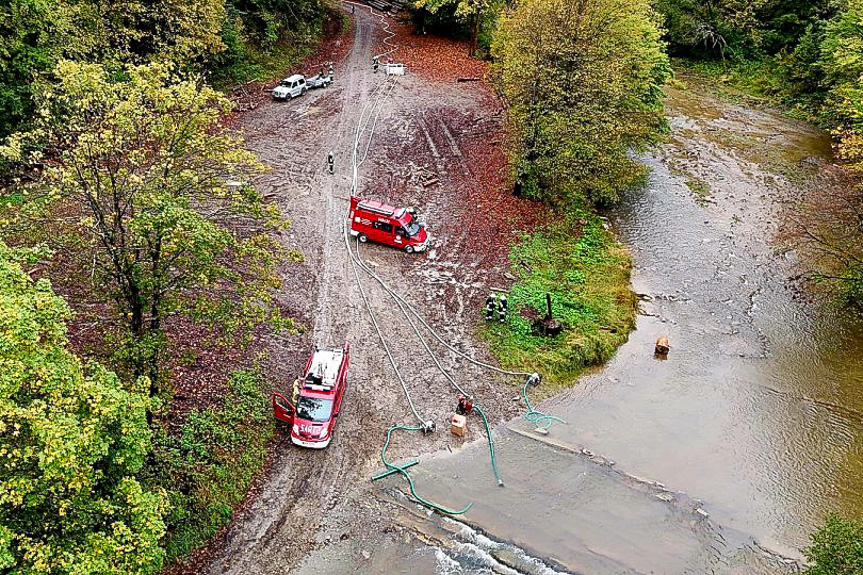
column 474, row 34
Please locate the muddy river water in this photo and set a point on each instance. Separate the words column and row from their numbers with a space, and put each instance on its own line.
column 725, row 456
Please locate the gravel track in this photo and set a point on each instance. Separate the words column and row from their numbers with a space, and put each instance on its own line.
column 308, row 494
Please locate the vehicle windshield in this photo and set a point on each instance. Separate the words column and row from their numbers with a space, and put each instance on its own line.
column 284, row 83
column 412, row 227
column 313, row 409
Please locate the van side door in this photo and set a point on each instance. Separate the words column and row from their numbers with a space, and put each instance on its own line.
column 383, row 230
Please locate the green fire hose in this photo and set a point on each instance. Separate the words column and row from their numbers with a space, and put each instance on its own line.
column 403, row 470
column 543, row 421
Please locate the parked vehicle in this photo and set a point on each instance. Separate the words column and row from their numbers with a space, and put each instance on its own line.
column 397, row 227
column 319, row 81
column 290, row 88
column 316, row 399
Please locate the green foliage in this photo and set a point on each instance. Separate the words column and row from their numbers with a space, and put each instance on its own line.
column 479, row 15
column 158, row 190
column 263, row 37
column 72, row 438
column 583, row 86
column 234, row 40
column 738, row 28
column 208, row 465
column 837, row 548
column 587, row 273
column 24, row 46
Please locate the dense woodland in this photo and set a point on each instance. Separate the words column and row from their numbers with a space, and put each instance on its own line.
column 115, row 160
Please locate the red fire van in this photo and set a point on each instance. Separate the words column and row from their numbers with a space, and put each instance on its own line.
column 397, row 227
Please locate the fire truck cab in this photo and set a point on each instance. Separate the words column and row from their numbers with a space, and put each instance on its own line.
column 397, row 227
column 316, row 398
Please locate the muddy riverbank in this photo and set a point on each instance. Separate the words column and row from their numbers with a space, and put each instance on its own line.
column 725, row 456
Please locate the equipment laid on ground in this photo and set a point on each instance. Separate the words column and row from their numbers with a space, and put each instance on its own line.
column 465, row 405
column 394, row 69
column 547, row 326
column 458, row 425
column 316, row 399
column 397, row 227
column 290, row 87
column 543, row 421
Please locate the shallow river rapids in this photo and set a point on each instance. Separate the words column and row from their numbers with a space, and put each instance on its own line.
column 724, row 457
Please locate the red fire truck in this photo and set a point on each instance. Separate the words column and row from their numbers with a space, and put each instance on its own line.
column 316, row 398
column 398, row 227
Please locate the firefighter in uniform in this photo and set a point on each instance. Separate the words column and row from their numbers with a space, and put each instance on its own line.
column 295, row 392
column 502, row 308
column 490, row 305
column 375, row 63
column 331, row 71
column 465, row 405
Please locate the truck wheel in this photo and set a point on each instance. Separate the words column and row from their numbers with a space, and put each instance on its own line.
column 363, row 238
column 409, row 249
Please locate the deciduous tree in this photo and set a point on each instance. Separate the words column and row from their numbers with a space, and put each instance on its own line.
column 71, row 439
column 145, row 187
column 582, row 81
column 471, row 11
column 837, row 548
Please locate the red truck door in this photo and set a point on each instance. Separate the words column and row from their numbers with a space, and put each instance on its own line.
column 282, row 409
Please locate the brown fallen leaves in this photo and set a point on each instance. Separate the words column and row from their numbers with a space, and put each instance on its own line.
column 433, row 57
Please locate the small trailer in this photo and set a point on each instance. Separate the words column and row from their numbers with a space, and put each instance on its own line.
column 319, row 81
column 394, row 69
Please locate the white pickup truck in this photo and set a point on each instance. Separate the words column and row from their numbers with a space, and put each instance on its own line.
column 290, row 88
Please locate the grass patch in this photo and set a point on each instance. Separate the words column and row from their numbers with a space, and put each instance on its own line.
column 587, row 274
column 208, row 465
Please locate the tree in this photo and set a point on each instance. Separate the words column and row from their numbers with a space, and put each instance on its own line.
column 71, row 439
column 471, row 11
column 35, row 34
column 582, row 81
column 155, row 204
column 837, row 548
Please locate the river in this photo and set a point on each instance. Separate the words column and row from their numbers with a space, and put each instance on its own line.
column 721, row 458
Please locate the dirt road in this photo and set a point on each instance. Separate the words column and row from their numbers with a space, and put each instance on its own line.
column 418, row 156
